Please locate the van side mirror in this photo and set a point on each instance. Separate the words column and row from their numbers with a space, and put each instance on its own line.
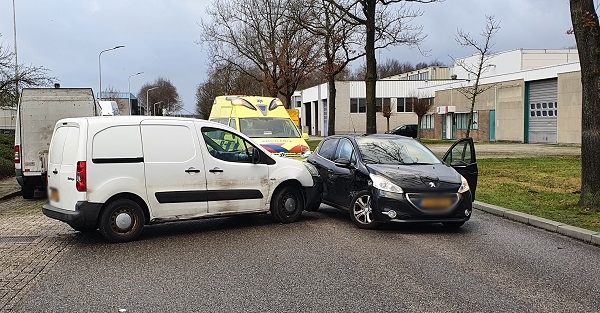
column 255, row 156
column 305, row 136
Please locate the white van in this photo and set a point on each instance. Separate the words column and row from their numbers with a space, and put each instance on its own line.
column 119, row 173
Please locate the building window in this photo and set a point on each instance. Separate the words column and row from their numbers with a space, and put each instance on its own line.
column 400, row 105
column 358, row 105
column 543, row 109
column 427, row 121
column 462, row 121
column 409, row 104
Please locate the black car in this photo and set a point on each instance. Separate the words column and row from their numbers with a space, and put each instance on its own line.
column 388, row 178
column 409, row 130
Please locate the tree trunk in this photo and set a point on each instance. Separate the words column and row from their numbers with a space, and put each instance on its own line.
column 371, row 75
column 331, row 104
column 587, row 36
column 419, row 119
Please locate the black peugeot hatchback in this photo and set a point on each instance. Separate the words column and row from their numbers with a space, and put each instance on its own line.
column 388, row 178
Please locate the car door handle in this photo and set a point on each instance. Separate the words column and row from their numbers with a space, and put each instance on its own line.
column 216, row 170
column 192, row 170
column 55, row 172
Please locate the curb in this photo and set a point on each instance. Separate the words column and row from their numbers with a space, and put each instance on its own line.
column 539, row 222
column 10, row 195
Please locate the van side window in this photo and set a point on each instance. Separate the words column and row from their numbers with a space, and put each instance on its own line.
column 168, row 143
column 117, row 142
column 227, row 146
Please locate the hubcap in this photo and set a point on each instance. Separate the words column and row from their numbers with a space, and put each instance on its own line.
column 123, row 221
column 290, row 204
column 362, row 210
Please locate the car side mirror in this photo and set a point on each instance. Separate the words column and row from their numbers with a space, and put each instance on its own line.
column 305, row 136
column 343, row 162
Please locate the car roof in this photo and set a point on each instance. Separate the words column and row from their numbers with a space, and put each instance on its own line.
column 377, row 136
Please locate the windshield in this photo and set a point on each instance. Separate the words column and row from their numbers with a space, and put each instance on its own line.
column 268, row 127
column 394, row 151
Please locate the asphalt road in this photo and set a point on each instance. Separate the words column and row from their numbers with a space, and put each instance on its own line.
column 323, row 264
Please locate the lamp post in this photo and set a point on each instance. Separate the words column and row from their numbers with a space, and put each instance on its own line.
column 129, row 86
column 148, row 100
column 16, row 61
column 154, row 109
column 100, row 68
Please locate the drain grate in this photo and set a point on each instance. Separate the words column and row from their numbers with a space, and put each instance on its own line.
column 17, row 239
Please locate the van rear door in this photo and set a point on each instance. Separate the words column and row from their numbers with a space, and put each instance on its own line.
column 62, row 166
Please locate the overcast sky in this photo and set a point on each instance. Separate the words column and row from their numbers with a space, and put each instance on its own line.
column 160, row 37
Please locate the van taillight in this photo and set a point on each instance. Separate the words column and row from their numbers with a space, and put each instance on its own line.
column 81, row 176
column 17, row 154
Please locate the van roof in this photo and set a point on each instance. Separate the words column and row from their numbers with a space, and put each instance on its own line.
column 132, row 119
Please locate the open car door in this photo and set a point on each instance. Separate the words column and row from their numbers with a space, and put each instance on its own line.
column 461, row 156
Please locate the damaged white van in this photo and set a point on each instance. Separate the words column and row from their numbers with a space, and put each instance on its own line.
column 117, row 174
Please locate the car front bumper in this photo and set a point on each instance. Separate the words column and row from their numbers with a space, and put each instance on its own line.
column 85, row 215
column 406, row 212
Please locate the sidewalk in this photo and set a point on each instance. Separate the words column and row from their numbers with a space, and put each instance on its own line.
column 9, row 187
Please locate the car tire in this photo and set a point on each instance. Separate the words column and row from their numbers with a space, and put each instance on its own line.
column 361, row 211
column 121, row 221
column 287, row 204
column 28, row 192
column 453, row 225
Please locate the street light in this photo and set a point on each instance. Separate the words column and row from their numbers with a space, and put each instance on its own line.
column 100, row 68
column 147, row 99
column 16, row 61
column 129, row 94
column 154, row 109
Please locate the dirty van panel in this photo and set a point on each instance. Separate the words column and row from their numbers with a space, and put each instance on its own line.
column 234, row 182
column 174, row 169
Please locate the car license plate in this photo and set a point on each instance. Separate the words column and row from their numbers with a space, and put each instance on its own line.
column 54, row 195
column 436, row 203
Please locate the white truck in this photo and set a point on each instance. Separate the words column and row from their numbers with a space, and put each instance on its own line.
column 38, row 111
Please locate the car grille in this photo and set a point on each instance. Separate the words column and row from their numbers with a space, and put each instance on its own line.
column 433, row 203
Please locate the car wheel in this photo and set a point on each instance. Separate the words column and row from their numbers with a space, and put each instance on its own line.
column 361, row 211
column 287, row 204
column 121, row 220
column 27, row 192
column 453, row 225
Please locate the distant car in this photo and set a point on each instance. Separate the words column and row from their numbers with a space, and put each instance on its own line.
column 386, row 178
column 408, row 130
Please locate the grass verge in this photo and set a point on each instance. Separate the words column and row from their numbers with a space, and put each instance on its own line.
column 547, row 187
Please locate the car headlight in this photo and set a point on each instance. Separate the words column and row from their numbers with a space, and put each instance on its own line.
column 384, row 184
column 464, row 185
column 306, row 153
column 311, row 169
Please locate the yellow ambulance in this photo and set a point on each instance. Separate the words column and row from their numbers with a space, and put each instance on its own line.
column 263, row 119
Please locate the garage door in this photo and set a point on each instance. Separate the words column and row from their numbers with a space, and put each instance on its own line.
column 543, row 109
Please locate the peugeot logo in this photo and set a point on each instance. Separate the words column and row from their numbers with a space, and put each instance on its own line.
column 282, row 154
column 431, row 184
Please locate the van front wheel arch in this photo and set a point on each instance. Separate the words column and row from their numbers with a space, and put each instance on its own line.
column 121, row 220
column 287, row 204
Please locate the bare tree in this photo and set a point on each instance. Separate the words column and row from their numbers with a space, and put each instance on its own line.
column 483, row 62
column 28, row 76
column 587, row 35
column 421, row 107
column 223, row 80
column 323, row 20
column 382, row 28
column 164, row 98
column 249, row 34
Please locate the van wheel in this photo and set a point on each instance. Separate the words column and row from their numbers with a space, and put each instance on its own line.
column 287, row 204
column 121, row 220
column 361, row 211
column 27, row 192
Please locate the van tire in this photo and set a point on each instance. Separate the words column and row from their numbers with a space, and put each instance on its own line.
column 287, row 204
column 121, row 220
column 27, row 191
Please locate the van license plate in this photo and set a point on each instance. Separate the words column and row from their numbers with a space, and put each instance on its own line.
column 54, row 195
column 436, row 203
